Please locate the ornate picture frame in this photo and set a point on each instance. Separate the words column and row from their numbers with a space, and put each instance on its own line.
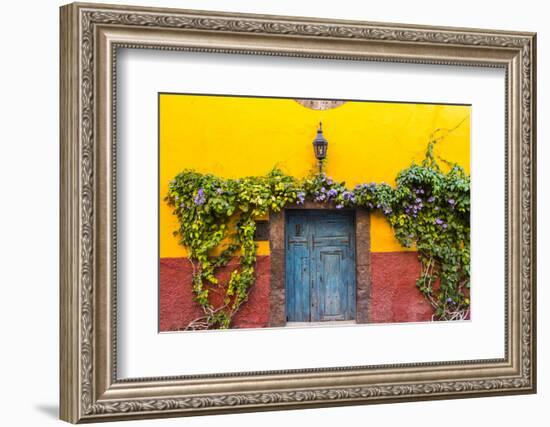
column 90, row 37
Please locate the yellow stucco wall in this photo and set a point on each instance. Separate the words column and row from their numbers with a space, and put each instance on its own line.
column 236, row 136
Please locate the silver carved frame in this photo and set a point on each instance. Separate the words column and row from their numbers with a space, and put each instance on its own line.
column 90, row 36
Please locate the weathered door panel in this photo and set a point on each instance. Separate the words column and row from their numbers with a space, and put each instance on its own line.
column 320, row 266
column 297, row 269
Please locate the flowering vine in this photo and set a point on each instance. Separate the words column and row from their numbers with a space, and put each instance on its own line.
column 429, row 208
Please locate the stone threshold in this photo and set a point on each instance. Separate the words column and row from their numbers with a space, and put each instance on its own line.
column 325, row 323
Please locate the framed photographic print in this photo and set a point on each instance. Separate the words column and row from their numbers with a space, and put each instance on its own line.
column 266, row 212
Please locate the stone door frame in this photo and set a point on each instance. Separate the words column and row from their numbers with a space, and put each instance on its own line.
column 277, row 298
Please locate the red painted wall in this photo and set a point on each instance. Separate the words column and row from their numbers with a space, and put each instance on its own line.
column 393, row 297
column 177, row 307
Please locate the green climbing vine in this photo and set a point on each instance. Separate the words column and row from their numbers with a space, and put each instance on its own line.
column 429, row 208
column 217, row 222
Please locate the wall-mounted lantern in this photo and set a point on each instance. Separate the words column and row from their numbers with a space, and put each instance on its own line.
column 320, row 145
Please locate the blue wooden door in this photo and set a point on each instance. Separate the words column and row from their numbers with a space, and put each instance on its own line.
column 320, row 265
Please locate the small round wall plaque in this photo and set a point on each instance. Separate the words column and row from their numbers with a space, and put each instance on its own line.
column 320, row 104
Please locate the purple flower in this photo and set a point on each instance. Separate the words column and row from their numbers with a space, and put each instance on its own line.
column 329, row 181
column 176, row 198
column 387, row 211
column 451, row 202
column 418, row 200
column 332, row 192
column 319, row 197
column 323, row 189
column 219, row 191
column 339, row 206
column 440, row 222
column 450, row 300
column 431, row 199
column 348, row 195
column 301, row 197
column 199, row 199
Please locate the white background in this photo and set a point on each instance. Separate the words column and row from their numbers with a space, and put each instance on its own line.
column 29, row 171
column 143, row 352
